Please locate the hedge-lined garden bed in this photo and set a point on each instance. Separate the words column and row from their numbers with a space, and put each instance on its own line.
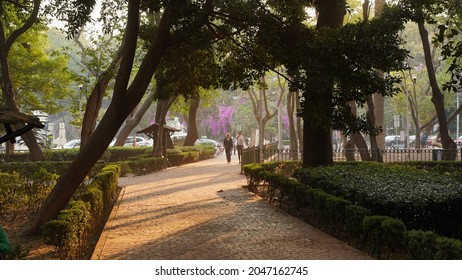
column 382, row 236
column 25, row 185
column 420, row 198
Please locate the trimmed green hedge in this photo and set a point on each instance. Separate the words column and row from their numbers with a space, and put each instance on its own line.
column 381, row 236
column 70, row 232
column 420, row 198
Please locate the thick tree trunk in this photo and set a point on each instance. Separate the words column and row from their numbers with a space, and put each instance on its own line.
column 35, row 153
column 160, row 147
column 317, row 139
column 123, row 102
column 357, row 140
column 375, row 151
column 437, row 96
column 379, row 100
column 193, row 134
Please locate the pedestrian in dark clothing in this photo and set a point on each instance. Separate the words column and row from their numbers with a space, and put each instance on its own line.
column 228, row 143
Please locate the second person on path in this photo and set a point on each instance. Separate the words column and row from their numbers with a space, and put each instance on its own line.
column 240, row 139
column 228, row 143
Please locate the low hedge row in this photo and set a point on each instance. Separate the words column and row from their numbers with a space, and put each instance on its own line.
column 70, row 232
column 420, row 198
column 112, row 154
column 381, row 236
column 27, row 169
column 20, row 194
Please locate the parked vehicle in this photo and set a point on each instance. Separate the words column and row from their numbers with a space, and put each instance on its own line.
column 412, row 141
column 137, row 141
column 75, row 143
column 391, row 141
column 205, row 141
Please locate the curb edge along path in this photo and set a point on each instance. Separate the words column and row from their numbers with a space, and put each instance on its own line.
column 200, row 211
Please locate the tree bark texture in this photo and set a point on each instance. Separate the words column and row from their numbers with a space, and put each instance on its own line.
column 437, row 95
column 124, row 101
column 95, row 99
column 193, row 134
column 35, row 153
column 317, row 139
column 292, row 97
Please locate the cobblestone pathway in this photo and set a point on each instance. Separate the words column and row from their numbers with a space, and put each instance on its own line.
column 200, row 211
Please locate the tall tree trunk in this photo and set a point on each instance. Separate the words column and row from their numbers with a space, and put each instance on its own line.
column 193, row 134
column 379, row 100
column 317, row 139
column 361, row 144
column 261, row 108
column 299, row 123
column 357, row 140
column 96, row 98
column 437, row 96
column 123, row 102
column 35, row 153
column 375, row 151
column 160, row 147
column 134, row 119
column 292, row 98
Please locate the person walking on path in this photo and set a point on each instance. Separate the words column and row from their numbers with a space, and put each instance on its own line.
column 240, row 139
column 228, row 143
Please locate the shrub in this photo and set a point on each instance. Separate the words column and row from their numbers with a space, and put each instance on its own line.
column 68, row 232
column 252, row 173
column 354, row 216
column 383, row 235
column 422, row 245
column 422, row 199
column 38, row 186
column 107, row 179
column 12, row 197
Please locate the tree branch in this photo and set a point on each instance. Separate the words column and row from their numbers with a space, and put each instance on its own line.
column 28, row 24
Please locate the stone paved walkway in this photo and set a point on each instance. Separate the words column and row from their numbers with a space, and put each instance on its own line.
column 200, row 211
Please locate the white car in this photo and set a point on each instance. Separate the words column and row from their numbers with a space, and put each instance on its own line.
column 206, row 141
column 137, row 141
column 75, row 143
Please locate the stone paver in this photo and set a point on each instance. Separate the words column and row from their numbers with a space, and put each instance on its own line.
column 200, row 211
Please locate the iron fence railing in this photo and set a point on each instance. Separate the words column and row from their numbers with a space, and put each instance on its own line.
column 271, row 153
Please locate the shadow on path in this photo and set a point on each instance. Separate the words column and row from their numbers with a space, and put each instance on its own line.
column 201, row 211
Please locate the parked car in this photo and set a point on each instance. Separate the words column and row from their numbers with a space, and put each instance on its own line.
column 137, row 141
column 391, row 141
column 412, row 140
column 206, row 141
column 75, row 143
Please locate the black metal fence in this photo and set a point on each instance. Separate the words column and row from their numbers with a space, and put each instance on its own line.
column 271, row 153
